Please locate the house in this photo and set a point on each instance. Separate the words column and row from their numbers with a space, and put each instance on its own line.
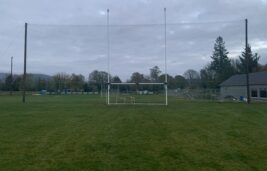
column 236, row 87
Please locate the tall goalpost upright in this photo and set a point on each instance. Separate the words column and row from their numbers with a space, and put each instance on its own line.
column 165, row 83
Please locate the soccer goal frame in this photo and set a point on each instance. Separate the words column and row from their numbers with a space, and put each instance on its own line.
column 109, row 83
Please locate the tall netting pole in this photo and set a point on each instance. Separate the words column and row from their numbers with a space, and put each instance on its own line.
column 165, row 55
column 247, row 61
column 11, row 75
column 108, row 56
column 25, row 64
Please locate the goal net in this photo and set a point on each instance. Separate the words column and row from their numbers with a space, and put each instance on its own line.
column 137, row 93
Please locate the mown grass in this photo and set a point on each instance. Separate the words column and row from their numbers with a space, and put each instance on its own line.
column 82, row 133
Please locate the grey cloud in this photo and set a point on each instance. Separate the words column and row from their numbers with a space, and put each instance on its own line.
column 82, row 49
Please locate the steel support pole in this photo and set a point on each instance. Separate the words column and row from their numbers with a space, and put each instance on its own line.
column 165, row 56
column 11, row 75
column 25, row 64
column 108, row 56
column 247, row 62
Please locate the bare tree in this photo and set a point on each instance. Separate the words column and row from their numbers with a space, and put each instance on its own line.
column 192, row 77
column 155, row 73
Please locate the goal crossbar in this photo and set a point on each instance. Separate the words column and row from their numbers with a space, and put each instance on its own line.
column 137, row 83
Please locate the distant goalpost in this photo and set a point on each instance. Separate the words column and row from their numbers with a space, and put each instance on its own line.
column 131, row 98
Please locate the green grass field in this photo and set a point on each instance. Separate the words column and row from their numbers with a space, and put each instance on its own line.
column 82, row 133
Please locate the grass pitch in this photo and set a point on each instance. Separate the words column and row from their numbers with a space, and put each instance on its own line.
column 82, row 133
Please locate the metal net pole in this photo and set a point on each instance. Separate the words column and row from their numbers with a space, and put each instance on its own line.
column 108, row 56
column 247, row 61
column 165, row 55
column 25, row 65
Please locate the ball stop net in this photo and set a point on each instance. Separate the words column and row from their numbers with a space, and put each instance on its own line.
column 129, row 53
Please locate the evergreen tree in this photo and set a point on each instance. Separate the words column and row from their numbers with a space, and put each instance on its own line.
column 221, row 64
column 253, row 61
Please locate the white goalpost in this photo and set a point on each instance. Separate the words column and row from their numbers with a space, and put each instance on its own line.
column 137, row 93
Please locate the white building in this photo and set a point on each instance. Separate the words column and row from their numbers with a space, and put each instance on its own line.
column 236, row 86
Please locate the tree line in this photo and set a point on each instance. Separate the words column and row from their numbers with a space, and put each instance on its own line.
column 210, row 76
column 222, row 67
column 96, row 82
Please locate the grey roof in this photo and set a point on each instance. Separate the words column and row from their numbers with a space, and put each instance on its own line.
column 257, row 78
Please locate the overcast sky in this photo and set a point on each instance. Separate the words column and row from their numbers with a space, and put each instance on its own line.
column 71, row 36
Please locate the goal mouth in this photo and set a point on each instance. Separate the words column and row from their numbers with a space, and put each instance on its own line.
column 137, row 94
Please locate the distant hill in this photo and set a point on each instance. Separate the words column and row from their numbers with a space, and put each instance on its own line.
column 40, row 76
column 34, row 76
